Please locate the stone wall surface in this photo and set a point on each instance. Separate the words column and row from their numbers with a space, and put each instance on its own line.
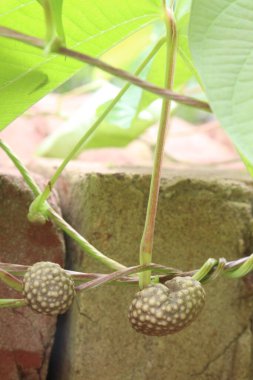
column 26, row 338
column 200, row 215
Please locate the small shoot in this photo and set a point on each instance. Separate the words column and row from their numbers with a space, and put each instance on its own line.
column 55, row 36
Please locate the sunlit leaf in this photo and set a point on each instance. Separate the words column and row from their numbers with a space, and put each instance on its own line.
column 184, row 66
column 92, row 27
column 115, row 130
column 221, row 39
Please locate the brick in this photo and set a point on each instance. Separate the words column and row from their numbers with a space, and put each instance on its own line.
column 26, row 338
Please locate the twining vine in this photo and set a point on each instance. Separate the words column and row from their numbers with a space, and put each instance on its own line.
column 169, row 299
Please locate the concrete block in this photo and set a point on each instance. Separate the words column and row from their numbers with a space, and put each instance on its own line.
column 201, row 215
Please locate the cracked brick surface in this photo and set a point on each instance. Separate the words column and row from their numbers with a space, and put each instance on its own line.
column 25, row 337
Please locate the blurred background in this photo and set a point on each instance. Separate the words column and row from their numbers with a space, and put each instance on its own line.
column 127, row 136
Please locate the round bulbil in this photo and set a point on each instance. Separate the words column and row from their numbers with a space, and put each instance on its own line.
column 48, row 289
column 163, row 309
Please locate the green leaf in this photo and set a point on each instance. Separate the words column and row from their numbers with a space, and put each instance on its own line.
column 62, row 141
column 221, row 40
column 129, row 53
column 184, row 53
column 249, row 165
column 130, row 117
column 116, row 130
column 183, row 8
column 92, row 27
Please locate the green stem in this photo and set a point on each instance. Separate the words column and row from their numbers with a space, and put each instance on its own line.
column 146, row 245
column 54, row 29
column 205, row 269
column 83, row 243
column 243, row 269
column 45, row 194
column 89, row 249
column 21, row 168
column 12, row 303
column 49, row 20
column 10, row 280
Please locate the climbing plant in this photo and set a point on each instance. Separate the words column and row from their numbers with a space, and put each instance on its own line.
column 43, row 43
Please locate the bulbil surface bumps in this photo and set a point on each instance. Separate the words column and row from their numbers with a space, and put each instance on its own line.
column 48, row 288
column 166, row 309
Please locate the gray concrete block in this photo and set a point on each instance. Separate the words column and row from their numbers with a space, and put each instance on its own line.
column 199, row 216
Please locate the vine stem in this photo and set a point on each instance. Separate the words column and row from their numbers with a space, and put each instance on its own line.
column 209, row 271
column 146, row 246
column 45, row 194
column 59, row 221
column 12, row 303
column 164, row 93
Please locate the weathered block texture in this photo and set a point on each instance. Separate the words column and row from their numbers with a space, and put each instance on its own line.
column 197, row 218
column 25, row 337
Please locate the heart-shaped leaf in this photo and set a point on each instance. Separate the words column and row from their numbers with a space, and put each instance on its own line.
column 92, row 27
column 221, row 40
